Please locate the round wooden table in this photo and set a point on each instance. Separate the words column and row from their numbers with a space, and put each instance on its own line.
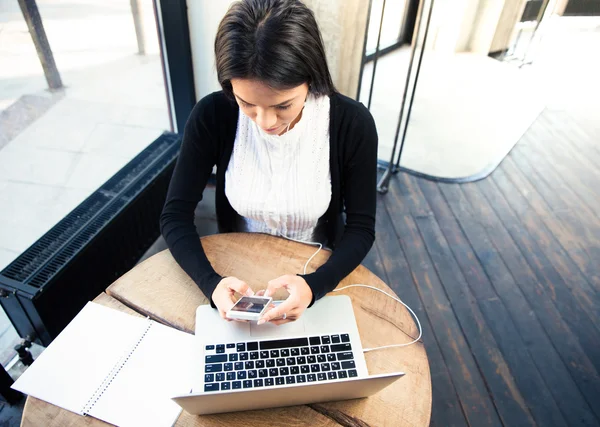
column 159, row 288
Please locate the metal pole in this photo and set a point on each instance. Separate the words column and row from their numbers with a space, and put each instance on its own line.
column 364, row 55
column 412, row 96
column 138, row 23
column 376, row 56
column 38, row 35
column 383, row 184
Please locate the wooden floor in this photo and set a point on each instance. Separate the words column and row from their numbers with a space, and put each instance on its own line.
column 504, row 275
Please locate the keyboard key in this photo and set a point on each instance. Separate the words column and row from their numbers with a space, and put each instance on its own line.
column 294, row 370
column 311, row 359
column 269, row 382
column 342, row 374
column 249, row 365
column 286, row 343
column 285, row 353
column 341, row 347
column 305, row 369
column 252, row 346
column 228, row 367
column 304, row 351
column 284, row 371
column 241, row 347
column 274, row 354
column 231, row 345
column 260, row 364
column 280, row 362
column 252, row 374
column 311, row 378
column 220, row 348
column 321, row 376
column 325, row 340
column 215, row 367
column 247, row 384
column 273, row 372
column 347, row 355
column 215, row 358
column 332, row 376
column 211, row 387
column 209, row 378
column 279, row 381
column 315, row 340
column 270, row 363
column 241, row 375
column 352, row 373
column 335, row 366
column 210, row 347
column 300, row 360
column 290, row 380
column 335, row 339
column 243, row 356
column 314, row 350
column 225, row 386
column 324, row 349
column 236, row 385
column 325, row 367
column 290, row 361
column 315, row 368
column 233, row 357
column 295, row 352
column 345, row 338
column 220, row 376
column 331, row 357
column 263, row 373
column 264, row 354
column 254, row 355
column 238, row 365
column 321, row 358
column 258, row 383
column 300, row 379
column 230, row 376
column 348, row 365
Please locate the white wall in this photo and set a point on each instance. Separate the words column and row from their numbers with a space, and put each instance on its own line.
column 204, row 17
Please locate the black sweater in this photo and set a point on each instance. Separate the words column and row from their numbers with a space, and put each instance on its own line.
column 208, row 140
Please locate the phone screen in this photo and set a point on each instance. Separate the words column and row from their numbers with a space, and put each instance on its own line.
column 250, row 305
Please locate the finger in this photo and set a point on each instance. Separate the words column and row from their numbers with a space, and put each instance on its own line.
column 260, row 293
column 241, row 287
column 280, row 282
column 277, row 312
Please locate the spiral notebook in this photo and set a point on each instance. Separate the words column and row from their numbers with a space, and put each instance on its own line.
column 110, row 365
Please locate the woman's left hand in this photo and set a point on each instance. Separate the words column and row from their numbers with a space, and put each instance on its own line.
column 293, row 307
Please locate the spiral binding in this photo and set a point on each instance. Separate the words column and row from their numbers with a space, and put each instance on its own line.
column 113, row 373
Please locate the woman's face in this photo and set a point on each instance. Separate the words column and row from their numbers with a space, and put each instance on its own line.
column 273, row 110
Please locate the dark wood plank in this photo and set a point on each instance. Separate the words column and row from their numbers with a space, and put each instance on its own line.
column 534, row 338
column 557, row 268
column 574, row 259
column 464, row 371
column 446, row 407
column 559, row 331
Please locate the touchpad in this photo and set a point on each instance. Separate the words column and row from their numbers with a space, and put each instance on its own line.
column 269, row 330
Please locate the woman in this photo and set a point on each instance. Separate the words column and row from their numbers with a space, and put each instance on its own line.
column 292, row 156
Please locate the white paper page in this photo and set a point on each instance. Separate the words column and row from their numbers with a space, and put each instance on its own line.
column 158, row 369
column 70, row 370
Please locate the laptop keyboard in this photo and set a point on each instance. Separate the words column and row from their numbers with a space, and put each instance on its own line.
column 256, row 364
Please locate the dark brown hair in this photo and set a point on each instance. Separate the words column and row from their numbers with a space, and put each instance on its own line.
column 275, row 41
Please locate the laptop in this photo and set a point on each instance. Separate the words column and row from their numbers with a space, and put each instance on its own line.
column 243, row 366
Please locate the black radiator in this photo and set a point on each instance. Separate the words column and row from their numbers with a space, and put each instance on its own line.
column 102, row 238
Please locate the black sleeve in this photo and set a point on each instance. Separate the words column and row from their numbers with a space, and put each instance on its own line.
column 359, row 194
column 198, row 155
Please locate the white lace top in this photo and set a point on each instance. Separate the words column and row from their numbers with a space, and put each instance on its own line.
column 281, row 185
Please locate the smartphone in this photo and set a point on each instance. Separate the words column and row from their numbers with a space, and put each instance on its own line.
column 249, row 308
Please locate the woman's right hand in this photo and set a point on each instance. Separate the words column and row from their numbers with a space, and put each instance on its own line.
column 224, row 294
